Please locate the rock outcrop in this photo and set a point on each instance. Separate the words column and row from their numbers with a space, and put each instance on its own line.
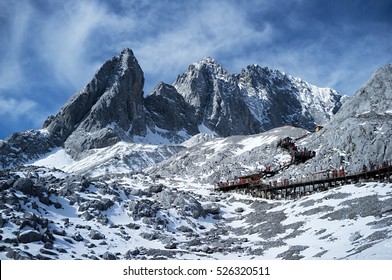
column 109, row 109
column 254, row 101
column 360, row 132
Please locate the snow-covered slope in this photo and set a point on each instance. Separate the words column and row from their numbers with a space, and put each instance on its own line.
column 121, row 158
column 221, row 159
column 136, row 195
column 52, row 215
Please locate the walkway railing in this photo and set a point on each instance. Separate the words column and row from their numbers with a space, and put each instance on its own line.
column 382, row 173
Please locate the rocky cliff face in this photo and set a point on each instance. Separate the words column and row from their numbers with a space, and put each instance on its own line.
column 277, row 99
column 256, row 100
column 360, row 132
column 215, row 96
column 107, row 110
column 169, row 114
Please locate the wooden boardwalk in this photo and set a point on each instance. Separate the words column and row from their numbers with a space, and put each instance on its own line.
column 286, row 189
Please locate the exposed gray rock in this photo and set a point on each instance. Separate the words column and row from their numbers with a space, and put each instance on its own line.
column 133, row 226
column 29, row 236
column 107, row 108
column 185, row 229
column 185, row 203
column 150, row 236
column 137, row 192
column 77, row 237
column 212, row 208
column 102, row 204
column 170, row 114
column 130, row 254
column 96, row 235
column 256, row 100
column 142, row 208
column 109, row 256
column 156, row 188
column 293, row 253
column 2, row 222
column 24, row 185
column 23, row 146
column 355, row 236
column 171, row 246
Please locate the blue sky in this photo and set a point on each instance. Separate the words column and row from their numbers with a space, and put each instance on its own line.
column 50, row 49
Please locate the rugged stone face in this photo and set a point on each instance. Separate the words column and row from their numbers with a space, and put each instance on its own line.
column 23, row 146
column 256, row 100
column 107, row 110
column 360, row 132
column 277, row 99
column 168, row 111
column 216, row 99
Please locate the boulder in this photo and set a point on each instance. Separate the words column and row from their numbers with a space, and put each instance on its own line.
column 2, row 222
column 24, row 185
column 156, row 188
column 142, row 208
column 29, row 236
column 109, row 256
column 212, row 209
column 77, row 237
column 96, row 235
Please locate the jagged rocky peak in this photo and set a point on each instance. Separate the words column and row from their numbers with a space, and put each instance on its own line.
column 298, row 102
column 167, row 110
column 374, row 98
column 265, row 97
column 208, row 64
column 206, row 98
column 107, row 110
column 201, row 80
column 216, row 99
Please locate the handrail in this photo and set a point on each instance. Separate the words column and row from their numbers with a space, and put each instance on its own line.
column 285, row 184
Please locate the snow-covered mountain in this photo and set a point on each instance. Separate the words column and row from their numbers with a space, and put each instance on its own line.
column 206, row 98
column 256, row 100
column 360, row 133
column 111, row 177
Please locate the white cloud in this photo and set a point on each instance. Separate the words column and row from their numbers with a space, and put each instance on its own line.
column 15, row 109
column 11, row 73
column 214, row 29
column 65, row 39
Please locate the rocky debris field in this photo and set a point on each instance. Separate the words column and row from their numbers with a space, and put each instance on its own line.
column 49, row 214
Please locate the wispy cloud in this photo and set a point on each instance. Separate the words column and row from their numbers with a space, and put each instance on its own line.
column 16, row 108
column 67, row 43
column 218, row 29
column 11, row 42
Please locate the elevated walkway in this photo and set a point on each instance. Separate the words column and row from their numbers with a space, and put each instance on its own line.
column 289, row 189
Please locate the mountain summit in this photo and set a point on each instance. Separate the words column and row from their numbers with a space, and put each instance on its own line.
column 107, row 110
column 256, row 100
column 206, row 98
